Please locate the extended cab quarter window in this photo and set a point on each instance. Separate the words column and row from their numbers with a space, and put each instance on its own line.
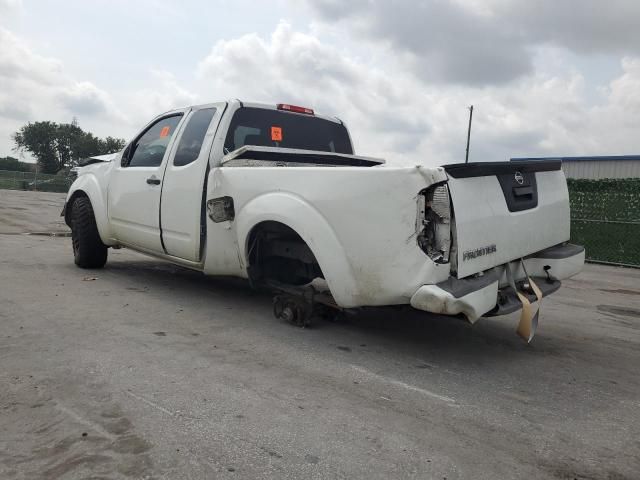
column 193, row 137
column 150, row 147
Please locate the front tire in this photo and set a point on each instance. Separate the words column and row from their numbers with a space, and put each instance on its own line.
column 88, row 249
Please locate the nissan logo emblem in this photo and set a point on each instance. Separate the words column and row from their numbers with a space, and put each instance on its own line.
column 519, row 178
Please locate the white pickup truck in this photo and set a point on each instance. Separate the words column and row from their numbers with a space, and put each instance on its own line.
column 274, row 193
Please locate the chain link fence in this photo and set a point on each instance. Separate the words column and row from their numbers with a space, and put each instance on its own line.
column 605, row 218
column 34, row 181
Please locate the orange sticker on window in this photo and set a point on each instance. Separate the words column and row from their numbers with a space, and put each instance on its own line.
column 276, row 134
column 164, row 132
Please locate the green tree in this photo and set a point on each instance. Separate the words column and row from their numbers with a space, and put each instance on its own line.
column 111, row 144
column 61, row 145
column 15, row 165
column 39, row 139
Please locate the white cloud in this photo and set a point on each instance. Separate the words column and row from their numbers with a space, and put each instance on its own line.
column 33, row 88
column 298, row 68
column 10, row 5
column 487, row 42
column 163, row 93
column 613, row 125
column 393, row 113
column 85, row 99
column 19, row 64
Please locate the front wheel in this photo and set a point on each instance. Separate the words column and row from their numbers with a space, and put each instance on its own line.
column 88, row 249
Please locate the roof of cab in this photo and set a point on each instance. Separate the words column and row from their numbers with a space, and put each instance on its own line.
column 267, row 106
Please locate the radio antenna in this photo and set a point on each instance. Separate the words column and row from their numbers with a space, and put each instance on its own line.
column 466, row 160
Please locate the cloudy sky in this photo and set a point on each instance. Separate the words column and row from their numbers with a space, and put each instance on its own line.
column 546, row 77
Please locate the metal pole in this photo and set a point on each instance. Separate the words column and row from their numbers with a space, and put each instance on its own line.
column 466, row 159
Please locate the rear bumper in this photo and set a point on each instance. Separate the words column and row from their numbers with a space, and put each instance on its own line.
column 490, row 294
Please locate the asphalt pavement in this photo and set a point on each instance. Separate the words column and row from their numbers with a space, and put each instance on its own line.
column 148, row 370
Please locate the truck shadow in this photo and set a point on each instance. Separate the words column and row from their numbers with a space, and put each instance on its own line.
column 402, row 329
column 443, row 336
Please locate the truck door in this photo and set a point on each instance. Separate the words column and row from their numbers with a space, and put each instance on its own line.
column 135, row 185
column 182, row 205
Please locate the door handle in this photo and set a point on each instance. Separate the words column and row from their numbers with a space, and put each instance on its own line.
column 153, row 180
column 523, row 191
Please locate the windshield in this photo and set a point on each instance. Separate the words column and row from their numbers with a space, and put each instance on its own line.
column 275, row 128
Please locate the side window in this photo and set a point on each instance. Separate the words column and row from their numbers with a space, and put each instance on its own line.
column 149, row 149
column 193, row 137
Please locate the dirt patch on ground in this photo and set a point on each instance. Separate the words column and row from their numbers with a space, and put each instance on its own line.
column 29, row 212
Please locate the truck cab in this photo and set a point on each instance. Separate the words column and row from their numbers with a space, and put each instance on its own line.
column 164, row 169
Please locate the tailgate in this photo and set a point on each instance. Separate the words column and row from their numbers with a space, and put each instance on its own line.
column 506, row 210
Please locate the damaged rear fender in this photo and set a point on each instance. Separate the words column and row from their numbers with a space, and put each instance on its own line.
column 294, row 212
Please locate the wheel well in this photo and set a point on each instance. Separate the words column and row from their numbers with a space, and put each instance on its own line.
column 69, row 205
column 276, row 252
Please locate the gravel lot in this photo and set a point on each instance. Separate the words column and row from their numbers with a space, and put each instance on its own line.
column 146, row 370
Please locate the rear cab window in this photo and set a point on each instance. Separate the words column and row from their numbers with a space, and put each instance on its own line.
column 277, row 128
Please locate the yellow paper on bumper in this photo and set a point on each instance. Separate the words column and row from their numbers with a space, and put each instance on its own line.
column 529, row 315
